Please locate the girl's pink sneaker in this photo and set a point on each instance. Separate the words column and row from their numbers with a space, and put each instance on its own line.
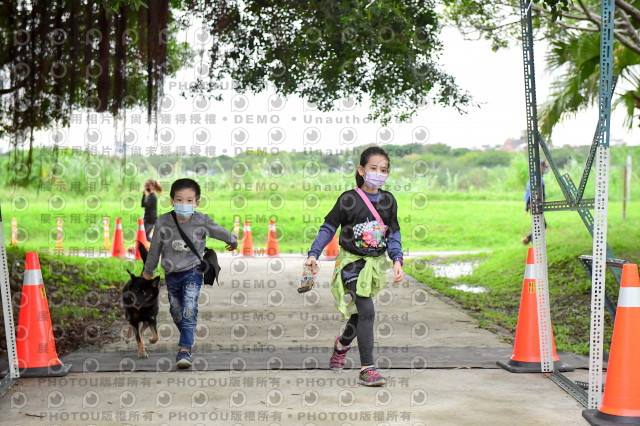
column 371, row 377
column 337, row 360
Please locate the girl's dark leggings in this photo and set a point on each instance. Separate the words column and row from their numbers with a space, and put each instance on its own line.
column 360, row 325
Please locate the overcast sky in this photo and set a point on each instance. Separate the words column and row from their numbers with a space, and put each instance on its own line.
column 264, row 121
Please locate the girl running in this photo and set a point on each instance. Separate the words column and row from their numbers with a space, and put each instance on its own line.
column 368, row 222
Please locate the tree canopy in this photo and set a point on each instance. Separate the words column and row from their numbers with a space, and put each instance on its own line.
column 60, row 56
column 324, row 50
column 56, row 56
column 572, row 28
column 106, row 56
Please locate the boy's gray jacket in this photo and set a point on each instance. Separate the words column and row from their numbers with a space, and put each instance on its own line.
column 176, row 255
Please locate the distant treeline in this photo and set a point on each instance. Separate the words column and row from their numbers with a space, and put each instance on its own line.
column 431, row 167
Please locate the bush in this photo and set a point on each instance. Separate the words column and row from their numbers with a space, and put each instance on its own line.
column 489, row 159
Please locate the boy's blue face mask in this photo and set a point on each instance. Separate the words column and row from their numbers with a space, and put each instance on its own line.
column 184, row 210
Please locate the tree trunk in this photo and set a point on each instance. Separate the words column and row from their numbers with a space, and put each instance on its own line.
column 152, row 55
column 119, row 79
column 74, row 50
column 104, row 82
column 58, row 81
column 88, row 48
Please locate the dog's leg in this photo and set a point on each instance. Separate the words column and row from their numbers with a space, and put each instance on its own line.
column 142, row 353
column 145, row 325
column 152, row 326
column 129, row 333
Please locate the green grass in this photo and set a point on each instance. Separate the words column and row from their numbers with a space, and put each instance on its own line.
column 455, row 222
column 78, row 275
column 569, row 287
column 487, row 220
column 80, row 292
column 495, row 226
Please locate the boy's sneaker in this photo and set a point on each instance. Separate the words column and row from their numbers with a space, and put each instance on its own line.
column 371, row 377
column 184, row 359
column 337, row 360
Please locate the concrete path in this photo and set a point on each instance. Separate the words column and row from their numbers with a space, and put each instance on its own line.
column 257, row 312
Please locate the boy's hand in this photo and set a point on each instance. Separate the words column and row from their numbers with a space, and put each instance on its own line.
column 146, row 276
column 397, row 270
column 311, row 261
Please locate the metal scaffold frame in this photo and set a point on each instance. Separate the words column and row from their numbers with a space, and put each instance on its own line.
column 535, row 183
column 596, row 224
column 600, row 210
column 9, row 329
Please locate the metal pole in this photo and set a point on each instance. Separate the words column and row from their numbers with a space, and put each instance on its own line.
column 624, row 192
column 9, row 328
column 600, row 210
column 628, row 178
column 535, row 184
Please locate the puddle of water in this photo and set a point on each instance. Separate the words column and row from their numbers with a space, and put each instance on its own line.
column 454, row 270
column 468, row 289
column 457, row 270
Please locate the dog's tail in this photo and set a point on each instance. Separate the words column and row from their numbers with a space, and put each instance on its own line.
column 143, row 251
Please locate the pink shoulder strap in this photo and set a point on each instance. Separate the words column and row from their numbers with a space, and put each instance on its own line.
column 372, row 209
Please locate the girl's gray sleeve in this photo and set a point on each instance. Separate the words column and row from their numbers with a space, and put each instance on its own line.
column 214, row 230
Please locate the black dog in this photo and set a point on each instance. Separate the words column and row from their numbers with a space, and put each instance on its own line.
column 140, row 300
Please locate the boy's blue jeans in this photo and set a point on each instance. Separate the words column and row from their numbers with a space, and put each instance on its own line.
column 184, row 290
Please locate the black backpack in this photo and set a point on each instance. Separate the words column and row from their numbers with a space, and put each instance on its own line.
column 208, row 262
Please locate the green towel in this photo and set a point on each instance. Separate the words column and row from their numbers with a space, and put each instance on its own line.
column 372, row 279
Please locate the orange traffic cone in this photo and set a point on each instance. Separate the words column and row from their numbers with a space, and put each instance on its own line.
column 36, row 347
column 105, row 225
column 272, row 240
column 14, row 232
column 247, row 240
column 621, row 399
column 59, row 235
column 526, row 349
column 142, row 237
column 118, row 241
column 332, row 249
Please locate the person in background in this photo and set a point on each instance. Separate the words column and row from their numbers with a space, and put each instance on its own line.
column 150, row 204
column 527, row 198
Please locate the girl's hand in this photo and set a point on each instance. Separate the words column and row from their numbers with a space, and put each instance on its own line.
column 229, row 247
column 397, row 270
column 311, row 261
column 146, row 276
